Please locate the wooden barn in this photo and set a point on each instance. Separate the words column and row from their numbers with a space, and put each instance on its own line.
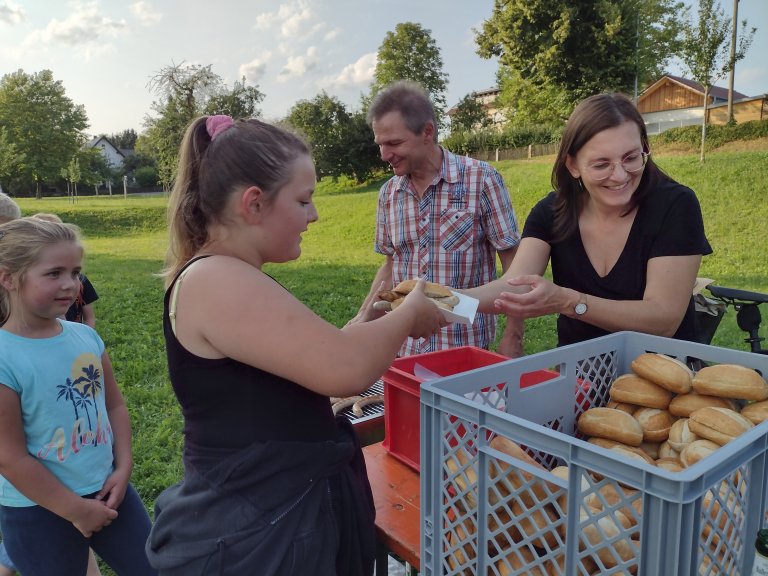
column 673, row 101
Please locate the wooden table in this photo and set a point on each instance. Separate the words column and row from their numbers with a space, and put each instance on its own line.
column 396, row 495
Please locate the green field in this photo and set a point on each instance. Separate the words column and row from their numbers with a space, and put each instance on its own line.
column 125, row 243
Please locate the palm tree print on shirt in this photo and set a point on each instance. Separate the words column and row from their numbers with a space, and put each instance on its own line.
column 82, row 393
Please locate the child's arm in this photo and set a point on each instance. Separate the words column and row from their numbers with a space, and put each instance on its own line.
column 35, row 481
column 89, row 315
column 116, row 484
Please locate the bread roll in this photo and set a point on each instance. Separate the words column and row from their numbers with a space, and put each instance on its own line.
column 683, row 404
column 680, row 435
column 465, row 481
column 612, row 424
column 632, row 389
column 562, row 472
column 757, row 412
column 665, row 371
column 431, row 289
column 596, row 537
column 610, row 444
column 557, row 567
column 462, row 557
column 623, row 406
column 609, row 494
column 666, row 451
column 720, row 425
column 603, row 442
column 541, row 522
column 697, row 450
column 518, row 558
column 651, row 448
column 671, row 464
column 655, row 423
column 731, row 381
column 633, row 453
column 529, row 488
column 441, row 295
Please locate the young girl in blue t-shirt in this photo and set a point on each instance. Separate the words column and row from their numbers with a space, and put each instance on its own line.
column 65, row 436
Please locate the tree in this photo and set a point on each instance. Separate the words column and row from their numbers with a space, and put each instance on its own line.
column 11, row 160
column 469, row 114
column 342, row 143
column 525, row 102
column 125, row 140
column 71, row 173
column 94, row 168
column 188, row 91
column 706, row 52
column 45, row 125
column 410, row 53
column 239, row 102
column 565, row 50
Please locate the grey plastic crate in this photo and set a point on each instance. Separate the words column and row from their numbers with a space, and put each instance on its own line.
column 480, row 507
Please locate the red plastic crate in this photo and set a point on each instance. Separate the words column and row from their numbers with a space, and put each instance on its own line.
column 401, row 393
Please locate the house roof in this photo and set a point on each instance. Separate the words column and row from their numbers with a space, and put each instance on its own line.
column 476, row 94
column 717, row 92
column 95, row 142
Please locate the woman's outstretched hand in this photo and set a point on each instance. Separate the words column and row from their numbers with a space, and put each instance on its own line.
column 542, row 297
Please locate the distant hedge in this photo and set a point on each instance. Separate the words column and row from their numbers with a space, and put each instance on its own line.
column 717, row 134
column 470, row 142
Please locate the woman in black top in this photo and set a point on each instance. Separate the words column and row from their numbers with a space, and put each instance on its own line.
column 624, row 240
column 273, row 484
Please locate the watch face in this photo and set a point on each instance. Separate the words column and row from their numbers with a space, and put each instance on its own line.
column 580, row 308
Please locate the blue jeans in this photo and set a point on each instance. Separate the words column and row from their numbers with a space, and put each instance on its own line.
column 43, row 543
column 5, row 560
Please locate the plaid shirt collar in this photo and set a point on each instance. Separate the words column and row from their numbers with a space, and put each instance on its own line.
column 449, row 172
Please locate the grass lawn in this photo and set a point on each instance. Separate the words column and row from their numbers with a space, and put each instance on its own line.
column 126, row 239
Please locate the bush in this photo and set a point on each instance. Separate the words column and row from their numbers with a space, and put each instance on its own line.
column 717, row 134
column 514, row 136
column 146, row 176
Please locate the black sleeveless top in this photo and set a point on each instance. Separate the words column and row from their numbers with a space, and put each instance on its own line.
column 228, row 405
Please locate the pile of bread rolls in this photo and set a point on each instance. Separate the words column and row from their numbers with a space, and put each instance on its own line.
column 662, row 414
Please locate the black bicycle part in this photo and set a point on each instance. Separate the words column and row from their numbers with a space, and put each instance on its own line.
column 748, row 317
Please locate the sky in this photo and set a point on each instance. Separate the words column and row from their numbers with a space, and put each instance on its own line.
column 105, row 52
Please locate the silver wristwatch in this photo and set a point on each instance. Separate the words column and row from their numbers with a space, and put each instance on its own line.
column 581, row 308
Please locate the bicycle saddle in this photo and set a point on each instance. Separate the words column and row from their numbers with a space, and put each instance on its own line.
column 737, row 295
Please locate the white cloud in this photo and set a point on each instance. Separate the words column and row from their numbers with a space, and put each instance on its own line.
column 10, row 13
column 289, row 18
column 265, row 20
column 331, row 34
column 254, row 70
column 359, row 73
column 85, row 28
column 298, row 65
column 145, row 13
column 293, row 16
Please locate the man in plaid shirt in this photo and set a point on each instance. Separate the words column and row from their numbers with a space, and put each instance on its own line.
column 441, row 217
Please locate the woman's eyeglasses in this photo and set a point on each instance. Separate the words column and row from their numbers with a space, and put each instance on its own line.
column 631, row 163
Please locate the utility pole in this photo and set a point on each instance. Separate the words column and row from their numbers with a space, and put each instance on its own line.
column 734, row 26
column 637, row 50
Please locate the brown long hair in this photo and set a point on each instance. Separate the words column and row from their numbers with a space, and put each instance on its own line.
column 591, row 116
column 248, row 153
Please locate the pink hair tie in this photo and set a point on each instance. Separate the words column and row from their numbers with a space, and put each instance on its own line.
column 217, row 124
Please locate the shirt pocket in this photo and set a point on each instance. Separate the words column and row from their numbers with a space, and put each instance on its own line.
column 456, row 229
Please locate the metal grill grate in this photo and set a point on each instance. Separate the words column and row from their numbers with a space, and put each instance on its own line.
column 371, row 411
